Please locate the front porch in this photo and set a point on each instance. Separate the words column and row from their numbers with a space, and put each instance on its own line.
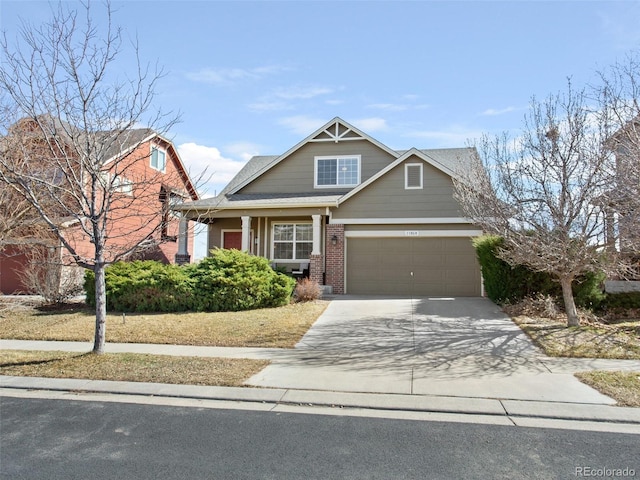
column 301, row 244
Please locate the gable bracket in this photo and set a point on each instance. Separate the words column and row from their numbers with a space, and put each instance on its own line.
column 336, row 136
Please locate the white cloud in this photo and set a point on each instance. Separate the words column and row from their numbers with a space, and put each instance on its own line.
column 283, row 98
column 301, row 92
column 269, row 106
column 210, row 166
column 228, row 76
column 493, row 111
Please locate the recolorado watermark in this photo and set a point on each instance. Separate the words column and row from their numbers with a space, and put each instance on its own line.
column 605, row 472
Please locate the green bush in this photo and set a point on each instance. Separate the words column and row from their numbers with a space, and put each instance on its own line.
column 504, row 283
column 623, row 300
column 230, row 280
column 143, row 286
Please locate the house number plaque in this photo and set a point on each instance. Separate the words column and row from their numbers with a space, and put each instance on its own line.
column 411, row 233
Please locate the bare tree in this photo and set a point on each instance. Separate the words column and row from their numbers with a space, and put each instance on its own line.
column 545, row 191
column 73, row 155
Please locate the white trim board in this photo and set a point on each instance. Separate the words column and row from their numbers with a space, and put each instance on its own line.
column 412, row 233
column 398, row 221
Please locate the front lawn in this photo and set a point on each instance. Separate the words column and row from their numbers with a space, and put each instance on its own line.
column 594, row 338
column 280, row 327
column 129, row 367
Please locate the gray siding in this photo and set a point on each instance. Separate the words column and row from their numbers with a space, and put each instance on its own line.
column 295, row 173
column 387, row 197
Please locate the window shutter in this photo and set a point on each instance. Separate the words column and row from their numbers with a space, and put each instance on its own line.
column 413, row 176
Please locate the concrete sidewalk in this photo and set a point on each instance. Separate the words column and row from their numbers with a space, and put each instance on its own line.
column 590, row 415
column 410, row 407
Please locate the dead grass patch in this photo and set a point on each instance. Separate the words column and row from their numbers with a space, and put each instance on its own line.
column 280, row 327
column 589, row 340
column 129, row 367
column 624, row 387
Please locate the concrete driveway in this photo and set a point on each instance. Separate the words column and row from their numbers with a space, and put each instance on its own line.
column 426, row 346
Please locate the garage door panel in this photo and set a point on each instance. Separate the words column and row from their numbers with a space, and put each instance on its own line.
column 440, row 266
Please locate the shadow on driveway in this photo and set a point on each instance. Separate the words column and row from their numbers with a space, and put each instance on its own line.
column 435, row 337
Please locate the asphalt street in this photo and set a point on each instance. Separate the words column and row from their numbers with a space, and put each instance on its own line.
column 66, row 439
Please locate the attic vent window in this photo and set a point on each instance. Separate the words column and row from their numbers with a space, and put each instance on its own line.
column 413, row 176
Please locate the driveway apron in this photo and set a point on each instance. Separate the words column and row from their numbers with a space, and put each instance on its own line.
column 427, row 346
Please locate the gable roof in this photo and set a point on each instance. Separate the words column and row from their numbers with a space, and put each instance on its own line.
column 446, row 160
column 128, row 141
column 336, row 130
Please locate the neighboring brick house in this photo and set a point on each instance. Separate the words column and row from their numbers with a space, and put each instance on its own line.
column 137, row 217
column 351, row 213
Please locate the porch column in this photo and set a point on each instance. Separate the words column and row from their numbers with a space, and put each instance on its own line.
column 183, row 241
column 246, row 233
column 316, row 235
column 316, row 261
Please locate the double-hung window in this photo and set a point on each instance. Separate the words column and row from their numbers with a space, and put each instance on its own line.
column 292, row 241
column 158, row 159
column 340, row 171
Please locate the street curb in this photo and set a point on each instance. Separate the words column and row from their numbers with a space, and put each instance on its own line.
column 386, row 402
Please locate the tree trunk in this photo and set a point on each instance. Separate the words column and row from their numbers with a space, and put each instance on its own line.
column 569, row 303
column 101, row 309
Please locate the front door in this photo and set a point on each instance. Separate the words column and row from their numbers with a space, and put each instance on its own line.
column 232, row 240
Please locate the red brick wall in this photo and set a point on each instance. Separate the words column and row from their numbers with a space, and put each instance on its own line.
column 334, row 265
column 316, row 268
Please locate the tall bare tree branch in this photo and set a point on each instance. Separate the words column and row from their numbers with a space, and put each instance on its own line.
column 71, row 151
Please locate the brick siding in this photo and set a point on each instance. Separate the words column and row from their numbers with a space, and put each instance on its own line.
column 335, row 258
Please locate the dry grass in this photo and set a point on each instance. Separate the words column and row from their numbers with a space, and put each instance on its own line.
column 624, row 387
column 589, row 340
column 130, row 367
column 272, row 327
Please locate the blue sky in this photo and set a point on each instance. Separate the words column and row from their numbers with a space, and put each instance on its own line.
column 257, row 77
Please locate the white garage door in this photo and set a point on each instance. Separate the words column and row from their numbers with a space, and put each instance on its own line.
column 412, row 266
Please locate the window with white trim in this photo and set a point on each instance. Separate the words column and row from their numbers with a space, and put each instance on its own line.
column 292, row 241
column 158, row 159
column 412, row 176
column 337, row 171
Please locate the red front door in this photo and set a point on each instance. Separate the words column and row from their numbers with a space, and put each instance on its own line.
column 232, row 240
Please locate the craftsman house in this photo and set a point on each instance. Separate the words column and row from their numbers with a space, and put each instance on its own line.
column 144, row 176
column 352, row 214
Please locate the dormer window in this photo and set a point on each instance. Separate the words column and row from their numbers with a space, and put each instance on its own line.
column 158, row 159
column 337, row 171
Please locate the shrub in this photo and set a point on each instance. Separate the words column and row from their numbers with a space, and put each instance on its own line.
column 623, row 300
column 47, row 276
column 505, row 283
column 509, row 284
column 230, row 280
column 307, row 290
column 539, row 305
column 143, row 286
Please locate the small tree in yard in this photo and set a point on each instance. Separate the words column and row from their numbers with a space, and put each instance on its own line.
column 546, row 192
column 62, row 150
